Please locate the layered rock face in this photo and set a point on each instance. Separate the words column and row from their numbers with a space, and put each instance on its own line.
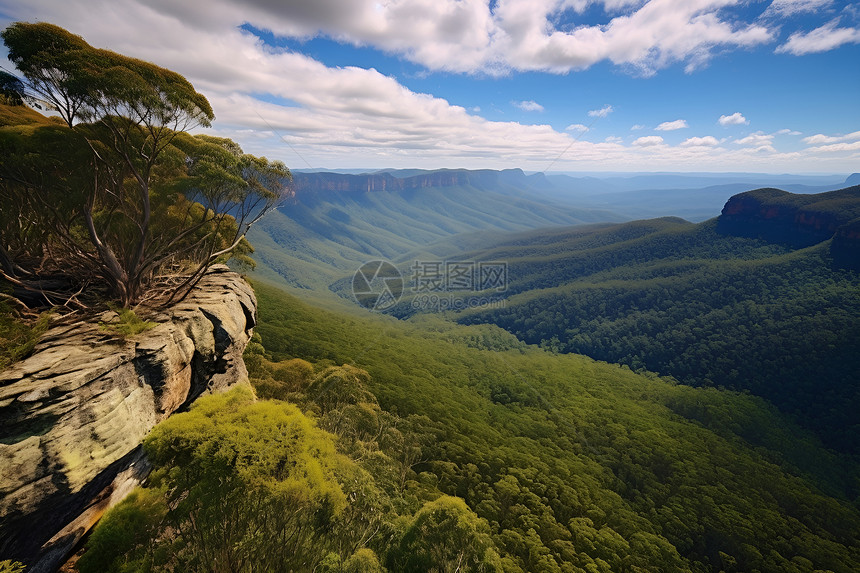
column 73, row 414
column 798, row 220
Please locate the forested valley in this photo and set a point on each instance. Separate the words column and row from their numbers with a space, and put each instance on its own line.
column 691, row 301
column 427, row 446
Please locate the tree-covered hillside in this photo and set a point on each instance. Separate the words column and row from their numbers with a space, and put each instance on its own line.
column 459, row 448
column 692, row 301
column 334, row 224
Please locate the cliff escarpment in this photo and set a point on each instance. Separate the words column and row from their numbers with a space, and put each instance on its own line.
column 309, row 185
column 798, row 220
column 73, row 414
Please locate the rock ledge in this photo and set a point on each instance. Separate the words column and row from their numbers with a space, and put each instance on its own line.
column 73, row 415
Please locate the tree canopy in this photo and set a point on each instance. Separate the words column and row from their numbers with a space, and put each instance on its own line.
column 119, row 193
column 446, row 448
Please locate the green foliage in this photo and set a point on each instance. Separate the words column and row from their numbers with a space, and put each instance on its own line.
column 9, row 566
column 126, row 324
column 706, row 308
column 832, row 208
column 125, row 539
column 589, row 467
column 121, row 193
column 271, row 453
column 363, row 561
column 583, row 466
column 446, row 536
column 237, row 485
column 78, row 79
column 279, row 381
column 18, row 336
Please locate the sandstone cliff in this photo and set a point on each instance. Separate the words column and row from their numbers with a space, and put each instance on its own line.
column 72, row 415
column 797, row 219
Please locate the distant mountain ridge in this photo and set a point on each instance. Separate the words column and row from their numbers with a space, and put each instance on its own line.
column 692, row 196
column 306, row 184
column 338, row 221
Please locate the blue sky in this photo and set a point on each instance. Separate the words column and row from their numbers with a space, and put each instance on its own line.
column 568, row 85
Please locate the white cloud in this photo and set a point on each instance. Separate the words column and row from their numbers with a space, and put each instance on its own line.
column 734, row 119
column 836, row 147
column 820, row 138
column 707, row 141
column 827, row 37
column 757, row 140
column 672, row 125
column 636, row 127
column 648, row 141
column 648, row 37
column 791, row 7
column 602, row 112
column 465, row 35
column 528, row 105
column 787, row 132
column 613, row 139
column 355, row 117
column 578, row 127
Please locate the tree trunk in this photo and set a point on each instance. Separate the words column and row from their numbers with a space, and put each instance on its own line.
column 118, row 276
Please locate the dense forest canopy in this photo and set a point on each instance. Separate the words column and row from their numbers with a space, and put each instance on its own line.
column 113, row 193
column 690, row 301
column 439, row 447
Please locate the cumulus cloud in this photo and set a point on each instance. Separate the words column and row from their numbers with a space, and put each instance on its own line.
column 335, row 113
column 636, row 127
column 788, row 132
column 757, row 140
column 645, row 36
column 733, row 119
column 529, row 105
column 613, row 139
column 820, row 138
column 602, row 112
column 672, row 125
column 355, row 117
column 469, row 36
column 648, row 141
column 827, row 37
column 576, row 127
column 707, row 141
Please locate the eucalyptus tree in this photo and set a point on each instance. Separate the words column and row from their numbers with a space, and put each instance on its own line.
column 127, row 194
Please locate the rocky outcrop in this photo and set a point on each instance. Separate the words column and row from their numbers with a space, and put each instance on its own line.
column 73, row 414
column 795, row 219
